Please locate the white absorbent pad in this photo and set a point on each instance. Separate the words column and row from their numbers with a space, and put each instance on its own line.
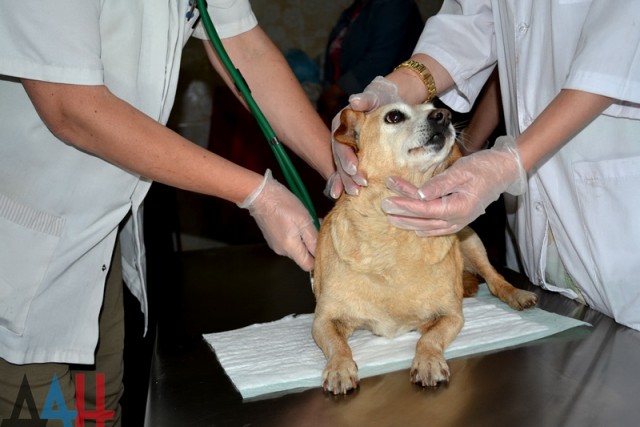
column 282, row 355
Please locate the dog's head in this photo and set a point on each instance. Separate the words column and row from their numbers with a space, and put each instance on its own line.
column 412, row 141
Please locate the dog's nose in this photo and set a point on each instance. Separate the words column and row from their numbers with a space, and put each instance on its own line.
column 440, row 116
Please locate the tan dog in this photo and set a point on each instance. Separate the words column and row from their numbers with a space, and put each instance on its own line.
column 372, row 275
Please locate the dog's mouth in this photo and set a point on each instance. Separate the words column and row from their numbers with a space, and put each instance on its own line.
column 433, row 142
column 434, row 132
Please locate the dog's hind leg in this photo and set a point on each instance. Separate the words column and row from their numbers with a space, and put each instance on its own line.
column 341, row 372
column 429, row 367
column 477, row 262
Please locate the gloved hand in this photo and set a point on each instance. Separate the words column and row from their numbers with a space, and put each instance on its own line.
column 379, row 92
column 346, row 176
column 451, row 200
column 285, row 223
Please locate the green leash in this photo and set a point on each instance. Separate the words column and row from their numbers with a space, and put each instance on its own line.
column 289, row 171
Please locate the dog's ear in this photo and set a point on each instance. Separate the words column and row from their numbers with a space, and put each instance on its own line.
column 349, row 129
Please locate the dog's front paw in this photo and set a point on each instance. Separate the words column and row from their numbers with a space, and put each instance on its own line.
column 340, row 376
column 520, row 299
column 430, row 371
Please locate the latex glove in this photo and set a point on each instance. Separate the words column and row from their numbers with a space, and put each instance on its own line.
column 346, row 178
column 377, row 93
column 285, row 223
column 451, row 200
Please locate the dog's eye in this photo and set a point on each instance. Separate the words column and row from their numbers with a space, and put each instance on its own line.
column 394, row 116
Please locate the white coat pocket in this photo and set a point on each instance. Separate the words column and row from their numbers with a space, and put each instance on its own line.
column 28, row 239
column 609, row 194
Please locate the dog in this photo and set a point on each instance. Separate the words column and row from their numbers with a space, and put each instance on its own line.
column 371, row 275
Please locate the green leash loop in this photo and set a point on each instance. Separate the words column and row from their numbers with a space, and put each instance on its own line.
column 289, row 171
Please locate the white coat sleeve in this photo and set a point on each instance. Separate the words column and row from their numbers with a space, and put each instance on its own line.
column 229, row 17
column 51, row 41
column 461, row 37
column 607, row 58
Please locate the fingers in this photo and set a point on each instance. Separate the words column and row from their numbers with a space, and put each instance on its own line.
column 379, row 92
column 309, row 236
column 285, row 223
column 352, row 183
column 337, row 183
column 305, row 255
column 347, row 166
column 350, row 186
column 359, row 179
column 425, row 227
column 299, row 253
column 435, row 188
column 346, row 158
column 306, row 263
column 415, row 208
column 438, row 186
column 447, row 228
column 363, row 101
column 416, row 223
column 334, row 186
column 425, row 217
column 299, row 244
column 403, row 187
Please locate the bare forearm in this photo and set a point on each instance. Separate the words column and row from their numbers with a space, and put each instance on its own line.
column 486, row 116
column 565, row 116
column 92, row 119
column 280, row 97
column 411, row 87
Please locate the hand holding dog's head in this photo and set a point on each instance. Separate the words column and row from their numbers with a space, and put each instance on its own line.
column 398, row 139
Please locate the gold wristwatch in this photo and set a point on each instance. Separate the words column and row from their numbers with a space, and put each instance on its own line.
column 425, row 76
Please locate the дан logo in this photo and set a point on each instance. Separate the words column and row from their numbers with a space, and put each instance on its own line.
column 55, row 408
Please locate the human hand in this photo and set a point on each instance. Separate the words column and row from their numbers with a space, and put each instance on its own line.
column 379, row 92
column 285, row 223
column 451, row 200
column 346, row 177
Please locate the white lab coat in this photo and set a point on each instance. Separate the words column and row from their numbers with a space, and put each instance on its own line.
column 60, row 208
column 588, row 193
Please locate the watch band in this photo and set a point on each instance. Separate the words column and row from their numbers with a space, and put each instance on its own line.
column 425, row 76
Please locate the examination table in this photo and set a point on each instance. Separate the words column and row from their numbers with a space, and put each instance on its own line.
column 587, row 376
